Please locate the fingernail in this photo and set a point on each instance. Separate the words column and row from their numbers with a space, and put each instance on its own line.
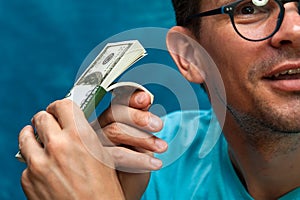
column 140, row 98
column 160, row 144
column 156, row 163
column 155, row 123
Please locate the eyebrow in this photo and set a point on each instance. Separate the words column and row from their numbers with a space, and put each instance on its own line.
column 225, row 2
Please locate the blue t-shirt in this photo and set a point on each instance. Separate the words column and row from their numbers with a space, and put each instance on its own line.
column 197, row 164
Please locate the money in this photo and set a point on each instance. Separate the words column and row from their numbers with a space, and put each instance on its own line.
column 112, row 61
column 97, row 79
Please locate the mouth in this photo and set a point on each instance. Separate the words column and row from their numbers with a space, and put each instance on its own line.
column 289, row 74
column 285, row 78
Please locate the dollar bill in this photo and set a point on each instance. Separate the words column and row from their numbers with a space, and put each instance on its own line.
column 107, row 66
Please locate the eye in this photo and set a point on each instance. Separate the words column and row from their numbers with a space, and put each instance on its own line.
column 247, row 10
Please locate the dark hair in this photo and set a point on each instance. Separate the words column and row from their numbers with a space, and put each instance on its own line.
column 185, row 8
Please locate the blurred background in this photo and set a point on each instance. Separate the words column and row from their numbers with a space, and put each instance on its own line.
column 43, row 44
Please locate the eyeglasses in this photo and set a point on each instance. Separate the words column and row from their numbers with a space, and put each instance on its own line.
column 253, row 20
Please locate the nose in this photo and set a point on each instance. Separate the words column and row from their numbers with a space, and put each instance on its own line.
column 289, row 32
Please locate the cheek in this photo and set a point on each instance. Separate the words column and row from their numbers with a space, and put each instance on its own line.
column 232, row 58
column 231, row 62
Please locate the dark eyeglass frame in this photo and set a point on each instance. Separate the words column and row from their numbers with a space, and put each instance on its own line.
column 229, row 10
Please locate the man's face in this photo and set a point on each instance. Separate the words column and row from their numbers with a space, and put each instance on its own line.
column 259, row 86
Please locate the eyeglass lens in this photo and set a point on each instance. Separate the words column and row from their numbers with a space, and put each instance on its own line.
column 256, row 22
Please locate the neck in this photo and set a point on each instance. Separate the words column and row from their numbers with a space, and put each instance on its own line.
column 267, row 163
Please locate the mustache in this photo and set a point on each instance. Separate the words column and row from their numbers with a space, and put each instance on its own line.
column 267, row 64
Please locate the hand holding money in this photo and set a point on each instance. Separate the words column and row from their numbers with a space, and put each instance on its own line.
column 74, row 161
column 97, row 79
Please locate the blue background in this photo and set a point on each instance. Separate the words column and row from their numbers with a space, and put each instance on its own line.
column 43, row 43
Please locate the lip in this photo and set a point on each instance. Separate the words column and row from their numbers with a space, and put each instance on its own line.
column 285, row 85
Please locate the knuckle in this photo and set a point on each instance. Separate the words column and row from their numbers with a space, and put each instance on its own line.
column 141, row 120
column 150, row 140
column 36, row 165
column 54, row 147
column 23, row 139
column 118, row 156
column 24, row 175
column 60, row 152
column 61, row 104
column 42, row 117
column 25, row 178
column 112, row 131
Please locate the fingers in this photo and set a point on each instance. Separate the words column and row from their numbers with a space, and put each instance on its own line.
column 119, row 133
column 28, row 145
column 70, row 117
column 64, row 111
column 138, row 99
column 128, row 123
column 124, row 125
column 132, row 161
column 45, row 124
column 137, row 118
column 28, row 186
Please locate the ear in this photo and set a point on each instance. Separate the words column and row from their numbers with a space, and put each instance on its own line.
column 182, row 46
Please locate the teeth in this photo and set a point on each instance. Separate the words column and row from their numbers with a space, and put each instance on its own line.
column 283, row 73
column 290, row 72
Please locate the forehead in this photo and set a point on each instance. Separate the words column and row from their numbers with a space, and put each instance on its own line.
column 210, row 4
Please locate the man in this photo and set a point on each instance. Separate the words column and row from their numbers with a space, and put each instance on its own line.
column 256, row 47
